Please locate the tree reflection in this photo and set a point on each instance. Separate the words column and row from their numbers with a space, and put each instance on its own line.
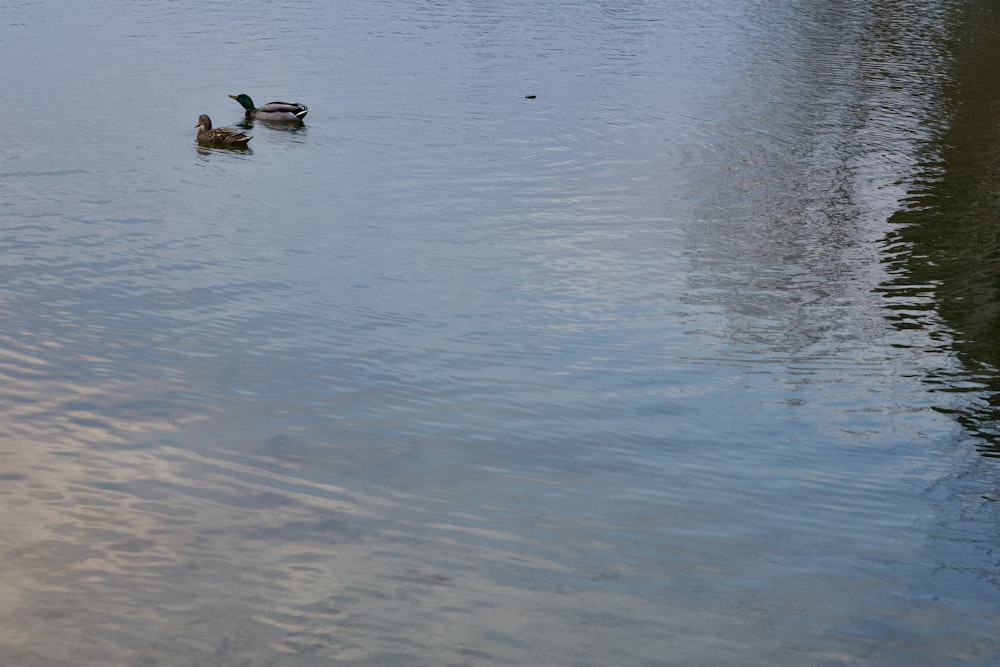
column 944, row 250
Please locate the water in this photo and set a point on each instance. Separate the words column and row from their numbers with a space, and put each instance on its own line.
column 686, row 361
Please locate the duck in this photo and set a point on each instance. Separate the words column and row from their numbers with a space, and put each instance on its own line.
column 272, row 110
column 220, row 136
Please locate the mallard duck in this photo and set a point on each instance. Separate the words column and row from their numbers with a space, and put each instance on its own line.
column 272, row 110
column 220, row 136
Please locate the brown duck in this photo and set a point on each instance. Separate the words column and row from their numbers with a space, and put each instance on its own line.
column 220, row 136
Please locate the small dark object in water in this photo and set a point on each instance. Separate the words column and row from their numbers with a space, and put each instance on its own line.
column 530, row 97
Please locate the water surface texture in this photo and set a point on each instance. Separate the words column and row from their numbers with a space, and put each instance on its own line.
column 690, row 359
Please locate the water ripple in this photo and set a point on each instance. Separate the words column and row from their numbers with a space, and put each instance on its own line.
column 450, row 375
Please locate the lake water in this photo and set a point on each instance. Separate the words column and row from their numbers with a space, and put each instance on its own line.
column 691, row 359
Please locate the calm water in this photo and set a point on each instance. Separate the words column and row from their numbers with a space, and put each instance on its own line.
column 690, row 360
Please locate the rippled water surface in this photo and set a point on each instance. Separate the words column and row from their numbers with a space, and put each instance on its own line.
column 690, row 359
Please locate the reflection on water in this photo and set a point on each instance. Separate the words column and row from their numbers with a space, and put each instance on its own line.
column 646, row 370
column 942, row 256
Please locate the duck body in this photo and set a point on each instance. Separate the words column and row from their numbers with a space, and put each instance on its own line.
column 292, row 111
column 220, row 136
